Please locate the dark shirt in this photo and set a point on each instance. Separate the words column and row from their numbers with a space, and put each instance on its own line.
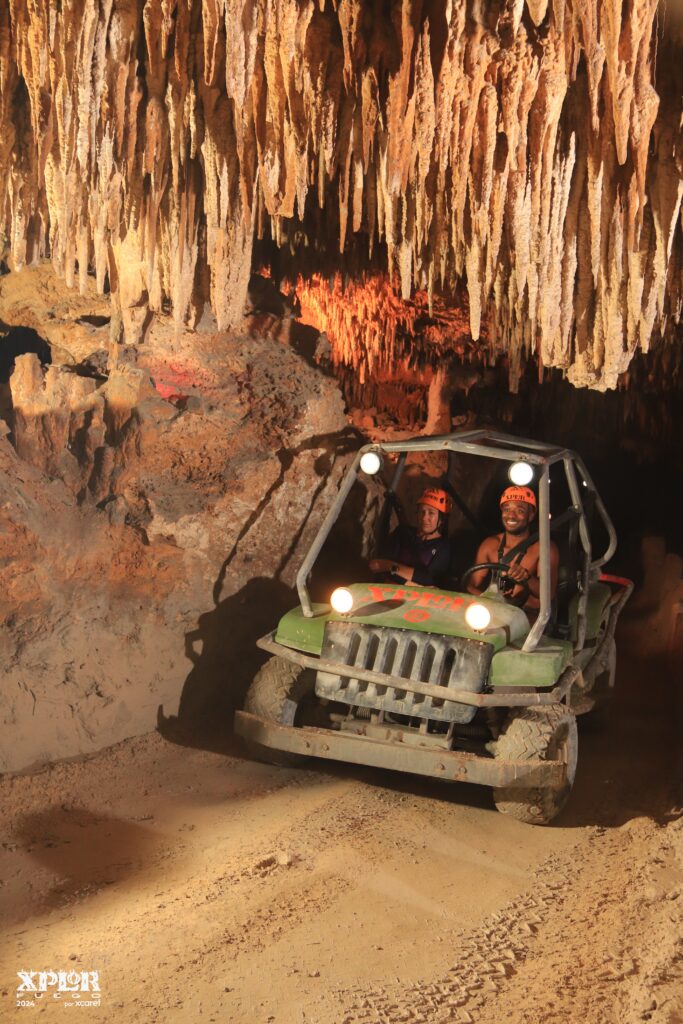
column 430, row 559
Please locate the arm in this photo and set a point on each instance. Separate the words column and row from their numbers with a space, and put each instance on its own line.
column 430, row 575
column 390, row 553
column 486, row 552
column 395, row 568
column 528, row 578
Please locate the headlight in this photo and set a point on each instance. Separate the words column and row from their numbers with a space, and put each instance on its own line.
column 341, row 600
column 477, row 617
column 370, row 463
column 521, row 473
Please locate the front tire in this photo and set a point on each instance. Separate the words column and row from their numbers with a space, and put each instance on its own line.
column 546, row 734
column 275, row 695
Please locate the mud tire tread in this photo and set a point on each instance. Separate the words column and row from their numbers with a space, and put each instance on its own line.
column 274, row 694
column 536, row 733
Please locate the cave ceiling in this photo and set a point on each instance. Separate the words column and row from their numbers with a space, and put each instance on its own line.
column 528, row 153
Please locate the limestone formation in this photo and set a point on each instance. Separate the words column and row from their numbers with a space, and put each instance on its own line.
column 376, row 331
column 533, row 150
column 145, row 545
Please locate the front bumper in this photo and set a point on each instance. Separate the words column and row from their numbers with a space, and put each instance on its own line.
column 453, row 765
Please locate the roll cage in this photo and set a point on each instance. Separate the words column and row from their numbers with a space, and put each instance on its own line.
column 499, row 446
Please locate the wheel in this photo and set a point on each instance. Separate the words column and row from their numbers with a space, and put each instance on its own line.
column 275, row 694
column 547, row 734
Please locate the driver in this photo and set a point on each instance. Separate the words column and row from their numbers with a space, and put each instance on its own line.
column 423, row 554
column 518, row 510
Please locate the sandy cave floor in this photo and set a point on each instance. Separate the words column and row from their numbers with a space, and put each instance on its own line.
column 205, row 887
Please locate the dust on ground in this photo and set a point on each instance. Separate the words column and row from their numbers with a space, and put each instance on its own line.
column 205, row 887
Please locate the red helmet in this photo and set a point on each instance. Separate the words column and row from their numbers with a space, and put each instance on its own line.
column 436, row 498
column 524, row 494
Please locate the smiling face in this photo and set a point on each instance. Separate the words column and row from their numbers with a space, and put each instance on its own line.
column 427, row 520
column 516, row 516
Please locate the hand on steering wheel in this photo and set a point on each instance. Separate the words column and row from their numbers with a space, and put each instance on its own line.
column 516, row 575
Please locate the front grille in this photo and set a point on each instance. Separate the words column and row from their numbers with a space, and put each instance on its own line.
column 450, row 661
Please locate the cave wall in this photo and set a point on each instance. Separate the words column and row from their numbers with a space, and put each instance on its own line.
column 528, row 148
column 153, row 517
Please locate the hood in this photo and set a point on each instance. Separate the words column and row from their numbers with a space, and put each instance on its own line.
column 427, row 609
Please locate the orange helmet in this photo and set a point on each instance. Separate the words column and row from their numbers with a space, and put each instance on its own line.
column 524, row 494
column 436, row 498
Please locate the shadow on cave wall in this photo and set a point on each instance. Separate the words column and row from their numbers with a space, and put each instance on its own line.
column 222, row 649
column 17, row 341
column 224, row 659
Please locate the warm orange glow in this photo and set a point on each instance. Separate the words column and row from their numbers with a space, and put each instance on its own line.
column 373, row 330
column 174, row 379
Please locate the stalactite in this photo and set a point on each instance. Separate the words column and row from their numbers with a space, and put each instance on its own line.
column 371, row 328
column 532, row 151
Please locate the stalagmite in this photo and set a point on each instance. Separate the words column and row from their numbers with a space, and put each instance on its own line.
column 531, row 151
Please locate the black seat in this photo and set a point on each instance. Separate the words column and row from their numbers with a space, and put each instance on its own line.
column 569, row 577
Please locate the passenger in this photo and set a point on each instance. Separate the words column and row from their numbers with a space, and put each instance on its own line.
column 518, row 510
column 420, row 554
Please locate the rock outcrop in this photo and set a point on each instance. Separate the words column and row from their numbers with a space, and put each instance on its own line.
column 532, row 148
column 145, row 542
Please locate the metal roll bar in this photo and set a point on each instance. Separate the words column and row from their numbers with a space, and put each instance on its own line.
column 488, row 444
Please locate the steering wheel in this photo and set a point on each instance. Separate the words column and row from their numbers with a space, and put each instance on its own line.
column 501, row 569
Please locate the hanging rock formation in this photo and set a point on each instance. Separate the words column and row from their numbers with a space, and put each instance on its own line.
column 376, row 331
column 532, row 149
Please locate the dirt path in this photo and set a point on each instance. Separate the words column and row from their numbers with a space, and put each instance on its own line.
column 204, row 887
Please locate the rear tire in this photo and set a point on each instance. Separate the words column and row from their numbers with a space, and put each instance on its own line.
column 275, row 694
column 546, row 734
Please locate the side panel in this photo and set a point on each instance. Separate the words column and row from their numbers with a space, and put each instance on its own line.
column 598, row 596
column 539, row 668
column 301, row 633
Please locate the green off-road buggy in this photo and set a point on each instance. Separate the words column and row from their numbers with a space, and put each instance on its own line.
column 440, row 683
